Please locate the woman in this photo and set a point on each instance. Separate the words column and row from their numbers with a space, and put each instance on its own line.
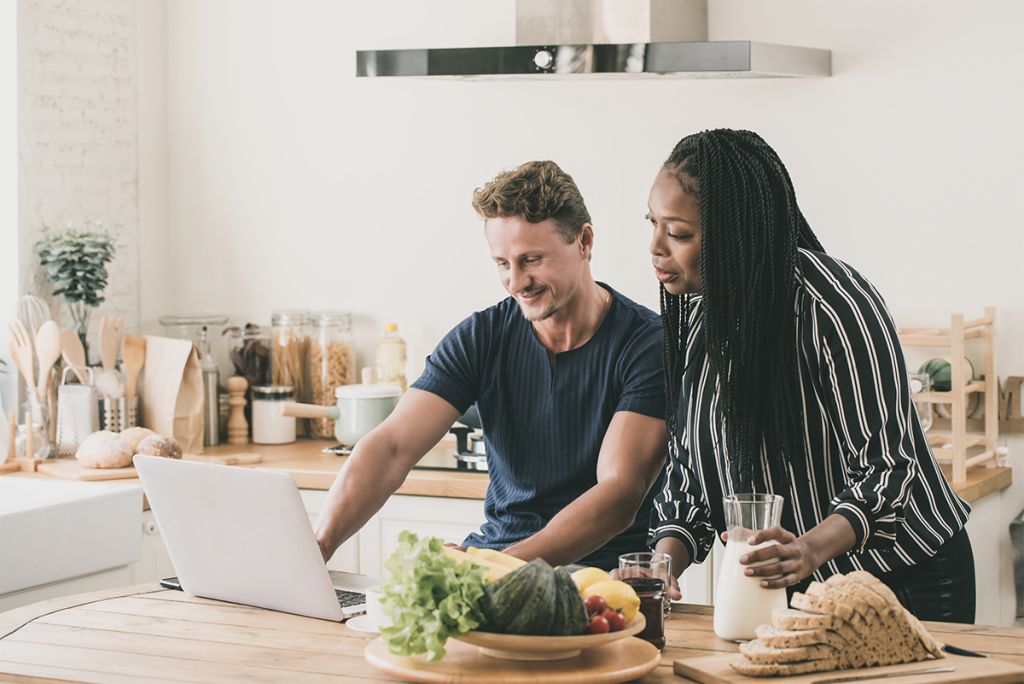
column 789, row 378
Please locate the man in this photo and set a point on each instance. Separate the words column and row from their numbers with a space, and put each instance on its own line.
column 566, row 376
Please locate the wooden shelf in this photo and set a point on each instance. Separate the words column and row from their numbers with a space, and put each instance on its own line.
column 957, row 439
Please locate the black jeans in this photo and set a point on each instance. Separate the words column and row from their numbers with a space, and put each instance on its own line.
column 941, row 588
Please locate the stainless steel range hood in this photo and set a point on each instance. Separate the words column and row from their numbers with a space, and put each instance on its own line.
column 603, row 38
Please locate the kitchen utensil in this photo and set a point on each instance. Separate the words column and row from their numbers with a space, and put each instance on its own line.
column 360, row 408
column 48, row 348
column 73, row 352
column 111, row 328
column 33, row 312
column 76, row 413
column 118, row 414
column 21, row 352
column 238, row 426
column 134, row 357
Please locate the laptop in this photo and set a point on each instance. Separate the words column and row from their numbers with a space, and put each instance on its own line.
column 242, row 535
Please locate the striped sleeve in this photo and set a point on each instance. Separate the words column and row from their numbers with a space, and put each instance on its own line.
column 851, row 338
column 681, row 509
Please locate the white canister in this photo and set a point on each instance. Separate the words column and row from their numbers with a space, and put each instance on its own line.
column 269, row 425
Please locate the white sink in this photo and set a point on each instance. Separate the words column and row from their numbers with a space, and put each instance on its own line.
column 53, row 530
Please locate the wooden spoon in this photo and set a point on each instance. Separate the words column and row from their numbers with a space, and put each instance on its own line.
column 48, row 349
column 111, row 328
column 134, row 357
column 74, row 353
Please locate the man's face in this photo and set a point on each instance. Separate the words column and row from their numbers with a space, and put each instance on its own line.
column 535, row 264
column 675, row 246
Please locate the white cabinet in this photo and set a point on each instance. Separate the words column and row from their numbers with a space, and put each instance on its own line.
column 154, row 563
column 450, row 519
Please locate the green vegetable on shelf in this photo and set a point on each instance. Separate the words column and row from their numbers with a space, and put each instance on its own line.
column 429, row 597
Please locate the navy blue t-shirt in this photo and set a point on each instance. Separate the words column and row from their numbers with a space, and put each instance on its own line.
column 543, row 426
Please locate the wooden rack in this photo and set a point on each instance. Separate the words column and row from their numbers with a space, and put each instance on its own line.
column 954, row 338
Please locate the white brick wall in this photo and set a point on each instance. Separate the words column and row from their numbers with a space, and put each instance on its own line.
column 77, row 141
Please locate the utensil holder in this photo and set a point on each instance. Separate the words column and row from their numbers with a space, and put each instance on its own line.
column 76, row 414
column 119, row 414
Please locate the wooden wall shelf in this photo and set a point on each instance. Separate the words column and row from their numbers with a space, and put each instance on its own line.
column 953, row 338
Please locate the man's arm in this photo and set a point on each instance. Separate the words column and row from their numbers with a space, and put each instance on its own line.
column 379, row 464
column 632, row 454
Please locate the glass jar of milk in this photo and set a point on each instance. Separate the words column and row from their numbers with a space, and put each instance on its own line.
column 741, row 603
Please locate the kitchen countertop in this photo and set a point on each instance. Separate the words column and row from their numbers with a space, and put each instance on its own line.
column 312, row 469
column 146, row 633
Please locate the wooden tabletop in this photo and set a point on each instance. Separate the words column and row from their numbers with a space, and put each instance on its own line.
column 146, row 633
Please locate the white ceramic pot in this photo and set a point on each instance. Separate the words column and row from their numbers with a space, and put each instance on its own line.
column 359, row 409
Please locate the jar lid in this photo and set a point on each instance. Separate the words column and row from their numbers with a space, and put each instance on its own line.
column 193, row 319
column 288, row 317
column 645, row 585
column 367, row 391
column 330, row 319
column 273, row 391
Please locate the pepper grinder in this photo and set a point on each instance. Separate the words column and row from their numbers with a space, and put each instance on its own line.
column 238, row 427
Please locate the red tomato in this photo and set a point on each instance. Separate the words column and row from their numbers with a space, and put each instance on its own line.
column 616, row 620
column 598, row 625
column 595, row 605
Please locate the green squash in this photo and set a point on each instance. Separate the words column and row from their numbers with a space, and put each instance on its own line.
column 570, row 611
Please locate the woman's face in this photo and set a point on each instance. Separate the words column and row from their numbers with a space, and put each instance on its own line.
column 675, row 247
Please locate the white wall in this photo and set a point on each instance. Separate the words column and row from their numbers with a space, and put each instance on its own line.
column 8, row 199
column 292, row 184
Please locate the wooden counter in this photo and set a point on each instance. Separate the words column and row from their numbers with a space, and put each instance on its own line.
column 312, row 469
column 149, row 634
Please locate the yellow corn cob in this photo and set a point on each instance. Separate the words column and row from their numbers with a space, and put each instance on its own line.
column 494, row 570
column 498, row 557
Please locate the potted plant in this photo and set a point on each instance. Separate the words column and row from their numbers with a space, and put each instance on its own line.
column 76, row 262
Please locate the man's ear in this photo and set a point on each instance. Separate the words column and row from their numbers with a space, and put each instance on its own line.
column 586, row 240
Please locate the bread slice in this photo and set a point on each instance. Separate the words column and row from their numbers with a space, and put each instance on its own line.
column 744, row 666
column 847, row 643
column 793, row 619
column 900, row 614
column 757, row 652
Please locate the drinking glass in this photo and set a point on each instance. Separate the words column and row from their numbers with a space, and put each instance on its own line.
column 741, row 603
column 647, row 564
column 920, row 389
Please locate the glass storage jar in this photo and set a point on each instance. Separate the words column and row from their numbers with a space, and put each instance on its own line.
column 289, row 361
column 331, row 363
column 249, row 351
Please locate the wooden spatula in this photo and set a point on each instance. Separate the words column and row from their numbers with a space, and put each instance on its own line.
column 134, row 356
column 74, row 353
column 111, row 328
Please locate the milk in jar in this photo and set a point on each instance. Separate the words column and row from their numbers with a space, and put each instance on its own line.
column 741, row 604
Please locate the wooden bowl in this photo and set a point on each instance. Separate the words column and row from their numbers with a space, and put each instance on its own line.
column 515, row 647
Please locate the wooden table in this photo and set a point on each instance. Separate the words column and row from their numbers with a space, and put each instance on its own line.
column 148, row 634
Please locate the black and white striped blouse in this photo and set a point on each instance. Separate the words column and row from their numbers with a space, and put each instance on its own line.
column 869, row 459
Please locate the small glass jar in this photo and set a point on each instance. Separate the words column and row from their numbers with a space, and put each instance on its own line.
column 40, row 446
column 332, row 364
column 289, row 360
column 651, row 591
column 268, row 425
column 250, row 353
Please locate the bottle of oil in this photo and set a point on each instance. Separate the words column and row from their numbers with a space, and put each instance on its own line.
column 390, row 358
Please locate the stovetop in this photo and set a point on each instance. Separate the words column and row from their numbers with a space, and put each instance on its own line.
column 439, row 459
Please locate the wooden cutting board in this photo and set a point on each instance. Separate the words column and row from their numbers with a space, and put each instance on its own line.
column 716, row 670
column 71, row 469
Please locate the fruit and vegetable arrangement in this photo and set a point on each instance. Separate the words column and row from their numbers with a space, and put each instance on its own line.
column 436, row 592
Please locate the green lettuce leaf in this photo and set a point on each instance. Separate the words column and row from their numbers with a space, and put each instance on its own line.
column 429, row 597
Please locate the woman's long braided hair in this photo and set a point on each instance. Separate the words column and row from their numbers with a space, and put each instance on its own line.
column 751, row 228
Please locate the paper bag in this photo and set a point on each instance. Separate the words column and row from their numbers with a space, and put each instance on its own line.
column 172, row 391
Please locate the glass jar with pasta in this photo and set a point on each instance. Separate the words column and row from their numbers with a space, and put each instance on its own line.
column 289, row 362
column 331, row 363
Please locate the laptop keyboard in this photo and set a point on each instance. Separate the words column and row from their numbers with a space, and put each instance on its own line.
column 349, row 598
